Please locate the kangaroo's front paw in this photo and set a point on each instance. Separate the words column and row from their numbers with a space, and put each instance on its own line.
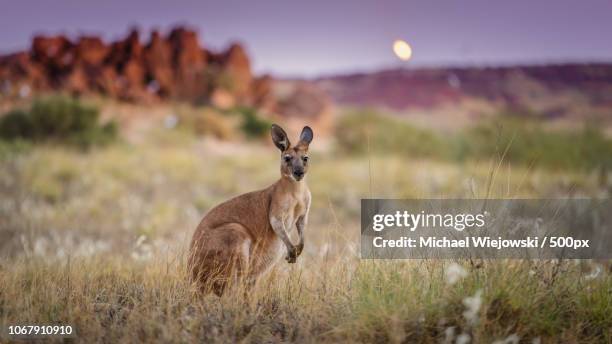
column 292, row 254
column 300, row 248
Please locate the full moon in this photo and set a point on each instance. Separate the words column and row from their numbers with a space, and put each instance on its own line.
column 402, row 50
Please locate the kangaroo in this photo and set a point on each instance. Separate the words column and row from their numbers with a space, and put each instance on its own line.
column 244, row 236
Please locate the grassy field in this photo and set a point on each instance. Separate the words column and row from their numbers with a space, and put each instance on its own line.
column 97, row 239
column 326, row 297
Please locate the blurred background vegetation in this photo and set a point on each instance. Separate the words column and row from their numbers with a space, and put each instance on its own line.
column 509, row 136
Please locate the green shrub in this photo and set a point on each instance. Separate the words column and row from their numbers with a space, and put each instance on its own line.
column 252, row 124
column 16, row 124
column 57, row 119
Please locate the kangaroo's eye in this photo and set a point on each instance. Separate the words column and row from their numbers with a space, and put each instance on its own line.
column 287, row 158
column 305, row 159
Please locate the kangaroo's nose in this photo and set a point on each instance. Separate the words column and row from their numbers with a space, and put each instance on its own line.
column 298, row 174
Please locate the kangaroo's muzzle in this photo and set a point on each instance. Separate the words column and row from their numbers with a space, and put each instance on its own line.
column 298, row 174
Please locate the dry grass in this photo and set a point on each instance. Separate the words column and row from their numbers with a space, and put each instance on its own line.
column 321, row 299
column 98, row 240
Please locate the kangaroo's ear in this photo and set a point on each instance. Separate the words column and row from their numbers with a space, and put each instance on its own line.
column 279, row 137
column 306, row 136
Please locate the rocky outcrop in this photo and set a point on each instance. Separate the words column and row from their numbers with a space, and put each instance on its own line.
column 189, row 65
column 172, row 67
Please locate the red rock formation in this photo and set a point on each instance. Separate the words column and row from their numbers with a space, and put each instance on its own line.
column 90, row 50
column 17, row 69
column 236, row 67
column 127, row 58
column 175, row 67
column 52, row 51
column 158, row 61
column 189, row 62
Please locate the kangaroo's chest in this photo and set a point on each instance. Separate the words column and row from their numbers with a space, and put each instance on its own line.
column 292, row 209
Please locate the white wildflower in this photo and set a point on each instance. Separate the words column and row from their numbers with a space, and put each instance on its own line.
column 472, row 305
column 40, row 246
column 463, row 338
column 594, row 274
column 142, row 251
column 511, row 339
column 449, row 335
column 454, row 272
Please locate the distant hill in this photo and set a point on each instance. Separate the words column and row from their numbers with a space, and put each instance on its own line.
column 550, row 91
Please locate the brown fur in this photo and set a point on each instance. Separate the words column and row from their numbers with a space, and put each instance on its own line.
column 243, row 237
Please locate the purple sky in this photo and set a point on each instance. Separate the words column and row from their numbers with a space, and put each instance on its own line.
column 308, row 38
